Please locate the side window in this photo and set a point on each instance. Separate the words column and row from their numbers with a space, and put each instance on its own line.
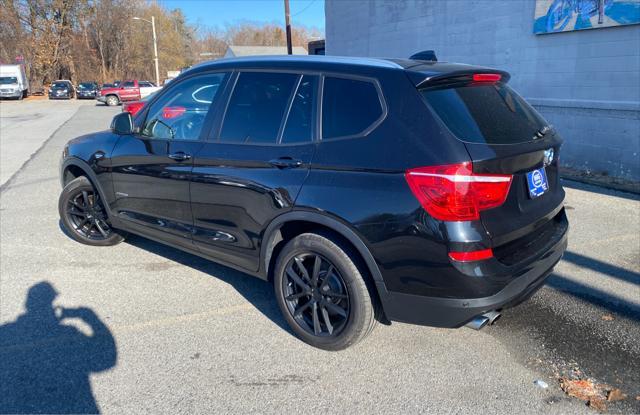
column 129, row 84
column 180, row 112
column 144, row 84
column 348, row 107
column 257, row 106
column 300, row 121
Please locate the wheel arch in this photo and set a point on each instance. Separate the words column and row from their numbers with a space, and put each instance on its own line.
column 74, row 167
column 305, row 221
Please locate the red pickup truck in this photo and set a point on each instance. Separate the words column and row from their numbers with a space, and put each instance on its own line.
column 131, row 90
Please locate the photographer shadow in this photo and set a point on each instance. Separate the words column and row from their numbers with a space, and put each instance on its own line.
column 45, row 362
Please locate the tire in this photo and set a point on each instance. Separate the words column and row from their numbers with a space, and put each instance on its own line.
column 347, row 290
column 112, row 100
column 83, row 215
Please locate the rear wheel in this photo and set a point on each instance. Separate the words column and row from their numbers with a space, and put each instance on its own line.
column 112, row 100
column 322, row 293
column 83, row 214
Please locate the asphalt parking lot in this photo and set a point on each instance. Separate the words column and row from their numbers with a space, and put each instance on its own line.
column 158, row 330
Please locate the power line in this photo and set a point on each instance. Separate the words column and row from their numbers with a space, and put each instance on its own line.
column 303, row 10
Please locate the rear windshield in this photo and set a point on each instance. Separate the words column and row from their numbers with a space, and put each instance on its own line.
column 492, row 114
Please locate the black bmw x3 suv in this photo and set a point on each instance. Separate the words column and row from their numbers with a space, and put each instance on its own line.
column 366, row 190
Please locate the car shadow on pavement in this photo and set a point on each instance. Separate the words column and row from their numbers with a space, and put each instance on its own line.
column 258, row 292
column 46, row 361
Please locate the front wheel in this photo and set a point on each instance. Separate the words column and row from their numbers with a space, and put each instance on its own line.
column 322, row 293
column 83, row 214
column 112, row 100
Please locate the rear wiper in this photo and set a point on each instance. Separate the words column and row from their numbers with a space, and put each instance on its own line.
column 543, row 131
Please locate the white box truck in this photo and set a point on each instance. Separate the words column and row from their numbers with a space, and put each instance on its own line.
column 13, row 82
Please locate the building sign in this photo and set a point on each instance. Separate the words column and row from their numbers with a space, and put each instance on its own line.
column 553, row 16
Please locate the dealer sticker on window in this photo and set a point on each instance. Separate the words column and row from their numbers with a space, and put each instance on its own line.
column 537, row 181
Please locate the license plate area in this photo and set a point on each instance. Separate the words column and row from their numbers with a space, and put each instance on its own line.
column 537, row 183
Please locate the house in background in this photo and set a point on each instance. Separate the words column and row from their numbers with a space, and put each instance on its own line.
column 576, row 61
column 237, row 51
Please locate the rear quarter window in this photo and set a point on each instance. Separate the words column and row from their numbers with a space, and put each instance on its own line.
column 486, row 113
column 349, row 107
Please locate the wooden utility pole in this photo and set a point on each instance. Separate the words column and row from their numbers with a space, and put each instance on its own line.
column 287, row 21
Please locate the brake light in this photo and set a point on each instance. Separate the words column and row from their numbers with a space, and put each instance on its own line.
column 486, row 77
column 172, row 112
column 472, row 255
column 133, row 107
column 454, row 193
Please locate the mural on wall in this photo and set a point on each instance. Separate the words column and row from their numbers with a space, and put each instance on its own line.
column 566, row 15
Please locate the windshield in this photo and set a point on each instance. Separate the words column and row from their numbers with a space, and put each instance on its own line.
column 86, row 85
column 492, row 114
column 4, row 80
column 59, row 85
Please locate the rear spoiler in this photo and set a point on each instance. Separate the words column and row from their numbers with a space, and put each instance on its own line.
column 475, row 75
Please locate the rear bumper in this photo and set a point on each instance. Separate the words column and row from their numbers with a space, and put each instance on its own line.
column 455, row 312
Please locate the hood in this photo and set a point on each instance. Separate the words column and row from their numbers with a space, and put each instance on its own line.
column 14, row 85
column 90, row 137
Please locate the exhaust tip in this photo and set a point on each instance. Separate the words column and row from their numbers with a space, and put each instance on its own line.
column 482, row 320
column 493, row 316
column 478, row 322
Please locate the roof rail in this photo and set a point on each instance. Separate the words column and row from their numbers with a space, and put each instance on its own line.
column 425, row 55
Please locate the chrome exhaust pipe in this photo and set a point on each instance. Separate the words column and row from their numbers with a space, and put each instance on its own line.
column 478, row 322
column 493, row 316
column 482, row 320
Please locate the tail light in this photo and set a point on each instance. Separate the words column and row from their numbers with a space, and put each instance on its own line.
column 486, row 77
column 133, row 107
column 471, row 255
column 454, row 193
column 172, row 112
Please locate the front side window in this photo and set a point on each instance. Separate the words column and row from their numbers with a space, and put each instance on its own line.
column 349, row 107
column 257, row 107
column 179, row 113
column 300, row 121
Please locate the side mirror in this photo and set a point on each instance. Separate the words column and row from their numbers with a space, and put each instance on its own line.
column 122, row 124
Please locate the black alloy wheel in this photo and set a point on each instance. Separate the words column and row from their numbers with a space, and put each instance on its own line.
column 83, row 214
column 316, row 295
column 325, row 295
column 87, row 215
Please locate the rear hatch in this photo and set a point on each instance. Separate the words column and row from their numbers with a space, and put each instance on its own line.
column 503, row 135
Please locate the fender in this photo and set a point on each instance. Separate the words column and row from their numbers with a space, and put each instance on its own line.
column 86, row 168
column 272, row 234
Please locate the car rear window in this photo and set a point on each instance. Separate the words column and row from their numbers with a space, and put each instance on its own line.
column 489, row 113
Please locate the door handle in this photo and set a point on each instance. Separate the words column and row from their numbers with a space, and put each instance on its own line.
column 179, row 156
column 285, row 163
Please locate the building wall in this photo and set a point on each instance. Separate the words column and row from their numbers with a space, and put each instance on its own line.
column 586, row 83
